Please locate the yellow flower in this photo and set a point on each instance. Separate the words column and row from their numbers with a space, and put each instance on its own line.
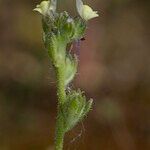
column 85, row 11
column 45, row 6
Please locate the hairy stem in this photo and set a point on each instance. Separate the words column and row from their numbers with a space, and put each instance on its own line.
column 59, row 134
column 60, row 77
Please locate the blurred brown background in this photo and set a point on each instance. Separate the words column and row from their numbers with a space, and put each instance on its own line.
column 114, row 70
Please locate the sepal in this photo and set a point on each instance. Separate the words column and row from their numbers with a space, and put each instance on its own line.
column 75, row 109
column 70, row 68
column 58, row 33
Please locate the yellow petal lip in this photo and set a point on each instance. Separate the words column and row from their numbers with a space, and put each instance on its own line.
column 85, row 11
column 88, row 13
column 43, row 7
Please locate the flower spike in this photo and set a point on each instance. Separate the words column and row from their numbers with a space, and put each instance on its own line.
column 60, row 30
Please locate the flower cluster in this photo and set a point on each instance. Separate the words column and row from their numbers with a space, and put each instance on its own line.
column 60, row 30
column 84, row 11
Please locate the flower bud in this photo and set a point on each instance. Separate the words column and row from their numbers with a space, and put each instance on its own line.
column 75, row 109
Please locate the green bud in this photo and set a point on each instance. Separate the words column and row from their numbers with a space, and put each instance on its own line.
column 56, row 49
column 58, row 33
column 79, row 28
column 75, row 109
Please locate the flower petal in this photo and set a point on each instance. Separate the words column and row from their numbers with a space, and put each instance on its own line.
column 79, row 5
column 43, row 7
column 85, row 11
column 88, row 13
column 46, row 7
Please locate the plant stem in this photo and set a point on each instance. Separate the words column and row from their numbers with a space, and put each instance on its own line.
column 59, row 134
column 60, row 77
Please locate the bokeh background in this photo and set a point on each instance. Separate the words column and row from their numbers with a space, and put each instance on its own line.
column 114, row 70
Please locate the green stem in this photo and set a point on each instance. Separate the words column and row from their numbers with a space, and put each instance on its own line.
column 59, row 135
column 60, row 77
